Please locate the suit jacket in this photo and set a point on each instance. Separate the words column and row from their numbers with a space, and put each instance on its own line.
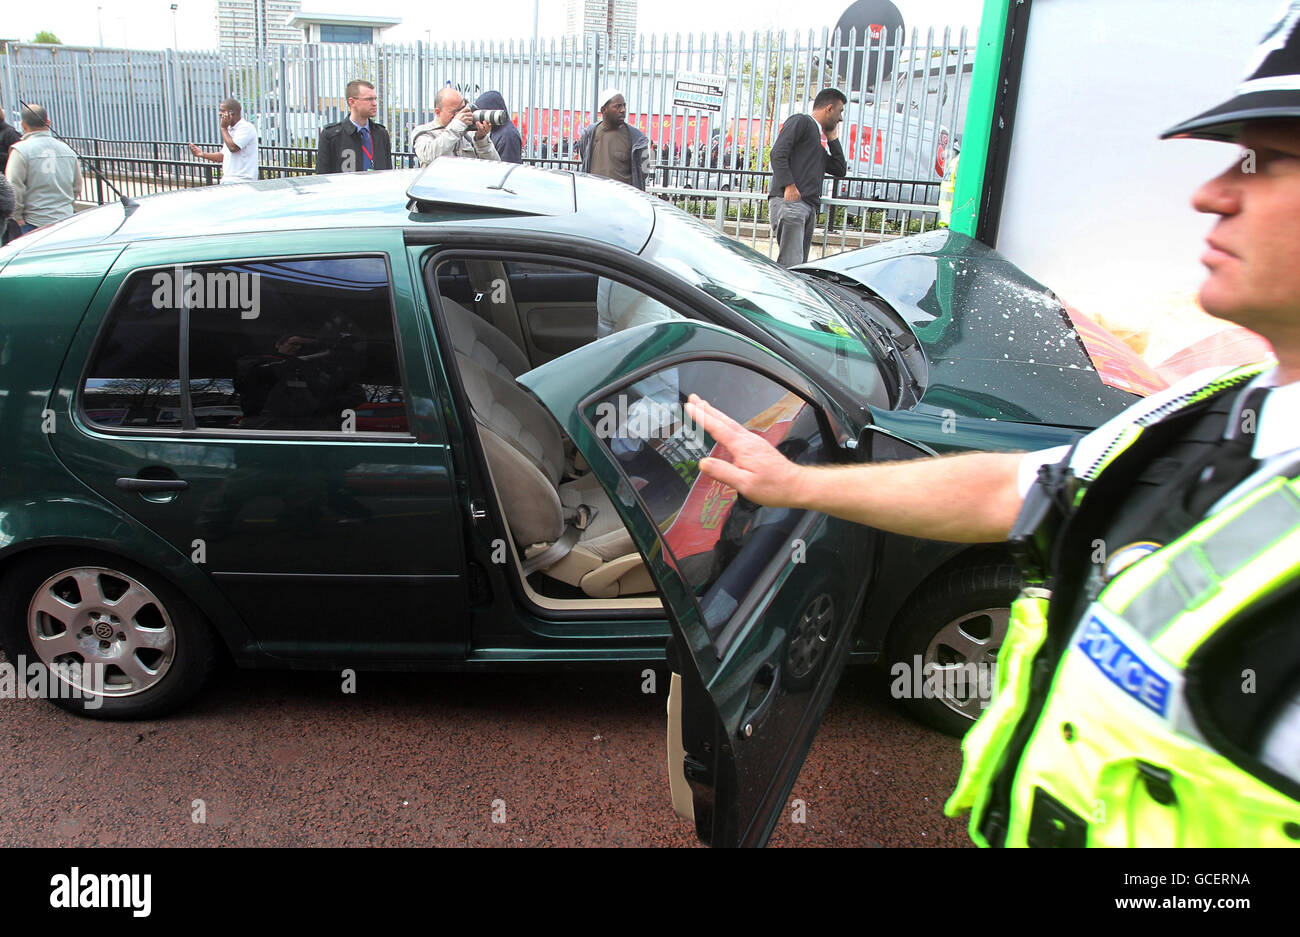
column 339, row 140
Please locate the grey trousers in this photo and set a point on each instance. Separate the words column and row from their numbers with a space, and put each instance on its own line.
column 792, row 228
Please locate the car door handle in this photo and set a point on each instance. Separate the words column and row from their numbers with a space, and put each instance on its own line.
column 762, row 691
column 150, row 485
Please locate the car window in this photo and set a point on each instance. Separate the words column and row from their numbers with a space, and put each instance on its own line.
column 134, row 376
column 296, row 345
column 775, row 299
column 545, row 310
column 721, row 544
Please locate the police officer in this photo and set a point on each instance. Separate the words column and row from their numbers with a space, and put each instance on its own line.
column 1149, row 684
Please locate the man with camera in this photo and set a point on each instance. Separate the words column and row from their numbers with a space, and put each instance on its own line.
column 448, row 134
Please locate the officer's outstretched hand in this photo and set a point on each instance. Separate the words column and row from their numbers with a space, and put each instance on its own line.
column 756, row 469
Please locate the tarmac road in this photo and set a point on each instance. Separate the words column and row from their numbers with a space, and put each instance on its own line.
column 287, row 759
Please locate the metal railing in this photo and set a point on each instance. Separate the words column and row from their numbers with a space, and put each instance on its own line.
column 907, row 93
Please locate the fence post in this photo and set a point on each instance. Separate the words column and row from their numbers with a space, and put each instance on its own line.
column 600, row 81
column 285, row 136
column 420, row 77
column 99, row 174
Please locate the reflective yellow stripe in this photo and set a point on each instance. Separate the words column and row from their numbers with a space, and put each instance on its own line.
column 1257, row 579
column 1190, row 573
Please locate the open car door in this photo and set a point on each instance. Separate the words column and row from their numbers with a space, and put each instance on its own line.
column 763, row 602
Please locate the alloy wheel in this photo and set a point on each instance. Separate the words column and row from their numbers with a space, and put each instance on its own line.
column 100, row 618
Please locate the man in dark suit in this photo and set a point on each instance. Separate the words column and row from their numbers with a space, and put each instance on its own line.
column 356, row 143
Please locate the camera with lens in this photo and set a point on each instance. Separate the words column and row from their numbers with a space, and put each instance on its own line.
column 492, row 118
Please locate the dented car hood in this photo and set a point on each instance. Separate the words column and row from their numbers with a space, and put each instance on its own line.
column 997, row 343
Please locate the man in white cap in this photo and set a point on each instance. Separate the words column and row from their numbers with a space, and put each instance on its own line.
column 614, row 148
column 1149, row 681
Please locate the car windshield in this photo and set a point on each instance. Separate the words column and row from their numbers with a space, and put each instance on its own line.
column 768, row 295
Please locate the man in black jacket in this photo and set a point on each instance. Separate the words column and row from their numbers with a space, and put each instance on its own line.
column 799, row 164
column 356, row 143
column 9, row 135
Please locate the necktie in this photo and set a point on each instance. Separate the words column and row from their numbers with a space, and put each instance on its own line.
column 367, row 148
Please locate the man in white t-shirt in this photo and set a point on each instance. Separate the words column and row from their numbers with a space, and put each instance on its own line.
column 238, row 155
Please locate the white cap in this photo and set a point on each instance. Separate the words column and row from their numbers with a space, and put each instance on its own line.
column 605, row 95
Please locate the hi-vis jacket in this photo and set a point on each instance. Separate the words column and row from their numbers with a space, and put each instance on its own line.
column 1142, row 673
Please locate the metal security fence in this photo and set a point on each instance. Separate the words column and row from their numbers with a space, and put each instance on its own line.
column 907, row 94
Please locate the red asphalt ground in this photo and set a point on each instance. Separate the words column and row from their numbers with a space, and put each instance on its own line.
column 285, row 759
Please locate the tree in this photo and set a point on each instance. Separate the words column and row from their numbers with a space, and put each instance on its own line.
column 48, row 38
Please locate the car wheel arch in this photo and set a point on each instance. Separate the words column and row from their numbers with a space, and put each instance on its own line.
column 232, row 634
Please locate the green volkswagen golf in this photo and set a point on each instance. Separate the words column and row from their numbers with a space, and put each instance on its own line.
column 435, row 420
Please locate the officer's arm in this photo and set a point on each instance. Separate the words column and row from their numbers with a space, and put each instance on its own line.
column 972, row 498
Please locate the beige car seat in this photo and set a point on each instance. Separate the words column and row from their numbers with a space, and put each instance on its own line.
column 588, row 548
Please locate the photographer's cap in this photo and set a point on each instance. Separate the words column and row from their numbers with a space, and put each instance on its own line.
column 1271, row 88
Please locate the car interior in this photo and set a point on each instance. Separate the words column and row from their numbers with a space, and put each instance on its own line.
column 504, row 319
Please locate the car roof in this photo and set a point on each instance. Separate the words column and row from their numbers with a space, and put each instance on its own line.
column 449, row 191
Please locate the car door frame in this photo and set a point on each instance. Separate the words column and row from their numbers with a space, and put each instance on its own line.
column 426, row 248
column 848, row 415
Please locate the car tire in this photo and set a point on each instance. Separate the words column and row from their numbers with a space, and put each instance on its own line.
column 154, row 648
column 956, row 618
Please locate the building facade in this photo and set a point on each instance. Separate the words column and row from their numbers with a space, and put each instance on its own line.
column 613, row 18
column 342, row 27
column 248, row 25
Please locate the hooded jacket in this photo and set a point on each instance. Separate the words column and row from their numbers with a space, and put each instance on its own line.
column 639, row 153
column 506, row 138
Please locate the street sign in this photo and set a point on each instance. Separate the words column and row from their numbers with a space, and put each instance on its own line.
column 699, row 90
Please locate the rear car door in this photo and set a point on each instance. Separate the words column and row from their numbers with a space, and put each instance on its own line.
column 763, row 602
column 263, row 406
